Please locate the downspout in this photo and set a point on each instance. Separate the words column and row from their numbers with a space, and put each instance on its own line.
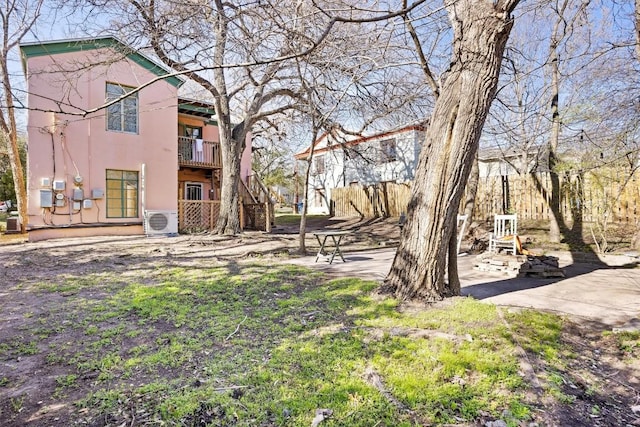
column 143, row 192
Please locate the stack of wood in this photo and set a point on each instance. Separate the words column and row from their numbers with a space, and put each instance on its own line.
column 519, row 265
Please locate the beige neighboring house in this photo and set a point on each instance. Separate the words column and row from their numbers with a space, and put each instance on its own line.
column 127, row 169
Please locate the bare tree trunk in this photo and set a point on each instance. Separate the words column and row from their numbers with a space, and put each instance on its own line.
column 481, row 30
column 637, row 25
column 552, row 147
column 302, row 249
column 21, row 21
column 231, row 146
column 452, row 266
column 17, row 168
column 229, row 217
column 635, row 241
column 472, row 190
column 231, row 141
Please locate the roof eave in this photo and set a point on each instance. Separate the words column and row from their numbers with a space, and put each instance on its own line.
column 55, row 47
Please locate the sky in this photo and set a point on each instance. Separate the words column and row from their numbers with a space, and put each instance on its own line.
column 62, row 25
column 53, row 25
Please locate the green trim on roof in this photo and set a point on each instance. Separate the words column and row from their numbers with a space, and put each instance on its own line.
column 68, row 46
column 196, row 108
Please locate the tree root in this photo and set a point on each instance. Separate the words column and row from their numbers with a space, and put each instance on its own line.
column 372, row 377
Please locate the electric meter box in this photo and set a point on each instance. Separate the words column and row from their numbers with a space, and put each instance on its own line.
column 46, row 198
column 58, row 185
column 45, row 182
column 87, row 203
column 97, row 193
column 78, row 194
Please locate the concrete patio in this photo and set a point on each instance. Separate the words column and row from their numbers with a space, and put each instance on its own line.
column 607, row 291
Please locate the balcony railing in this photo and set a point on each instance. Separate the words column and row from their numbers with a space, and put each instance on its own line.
column 198, row 153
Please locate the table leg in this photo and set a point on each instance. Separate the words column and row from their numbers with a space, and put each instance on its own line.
column 321, row 243
column 336, row 249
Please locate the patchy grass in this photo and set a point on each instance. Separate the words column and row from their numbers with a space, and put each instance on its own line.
column 629, row 342
column 262, row 345
column 294, row 219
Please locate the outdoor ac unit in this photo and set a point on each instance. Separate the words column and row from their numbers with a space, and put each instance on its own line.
column 13, row 225
column 160, row 222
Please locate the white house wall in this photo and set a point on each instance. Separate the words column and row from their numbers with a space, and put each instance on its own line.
column 360, row 165
column 499, row 167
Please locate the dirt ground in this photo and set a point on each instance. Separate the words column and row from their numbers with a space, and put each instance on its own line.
column 598, row 354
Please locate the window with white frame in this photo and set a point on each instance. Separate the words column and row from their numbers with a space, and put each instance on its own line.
column 318, row 165
column 388, row 151
column 122, row 116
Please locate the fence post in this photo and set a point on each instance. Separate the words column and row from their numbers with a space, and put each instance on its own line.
column 267, row 216
column 241, row 216
column 212, row 221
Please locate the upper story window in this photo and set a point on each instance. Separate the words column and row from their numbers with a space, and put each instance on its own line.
column 388, row 151
column 318, row 164
column 123, row 115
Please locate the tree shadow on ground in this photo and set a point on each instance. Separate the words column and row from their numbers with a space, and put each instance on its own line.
column 592, row 287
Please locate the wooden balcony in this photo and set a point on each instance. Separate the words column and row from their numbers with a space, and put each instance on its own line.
column 198, row 153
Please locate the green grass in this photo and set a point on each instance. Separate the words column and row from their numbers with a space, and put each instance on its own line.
column 628, row 342
column 294, row 219
column 266, row 344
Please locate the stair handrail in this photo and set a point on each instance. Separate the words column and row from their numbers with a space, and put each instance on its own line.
column 248, row 192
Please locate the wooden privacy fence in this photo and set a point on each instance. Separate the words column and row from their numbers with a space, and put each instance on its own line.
column 591, row 195
column 381, row 200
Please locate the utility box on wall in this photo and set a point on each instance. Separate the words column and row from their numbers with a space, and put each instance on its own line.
column 46, row 198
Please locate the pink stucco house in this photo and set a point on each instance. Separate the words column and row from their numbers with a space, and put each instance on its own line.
column 149, row 163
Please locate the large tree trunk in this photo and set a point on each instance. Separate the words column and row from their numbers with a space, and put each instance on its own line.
column 229, row 216
column 472, row 191
column 635, row 242
column 231, row 137
column 481, row 30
